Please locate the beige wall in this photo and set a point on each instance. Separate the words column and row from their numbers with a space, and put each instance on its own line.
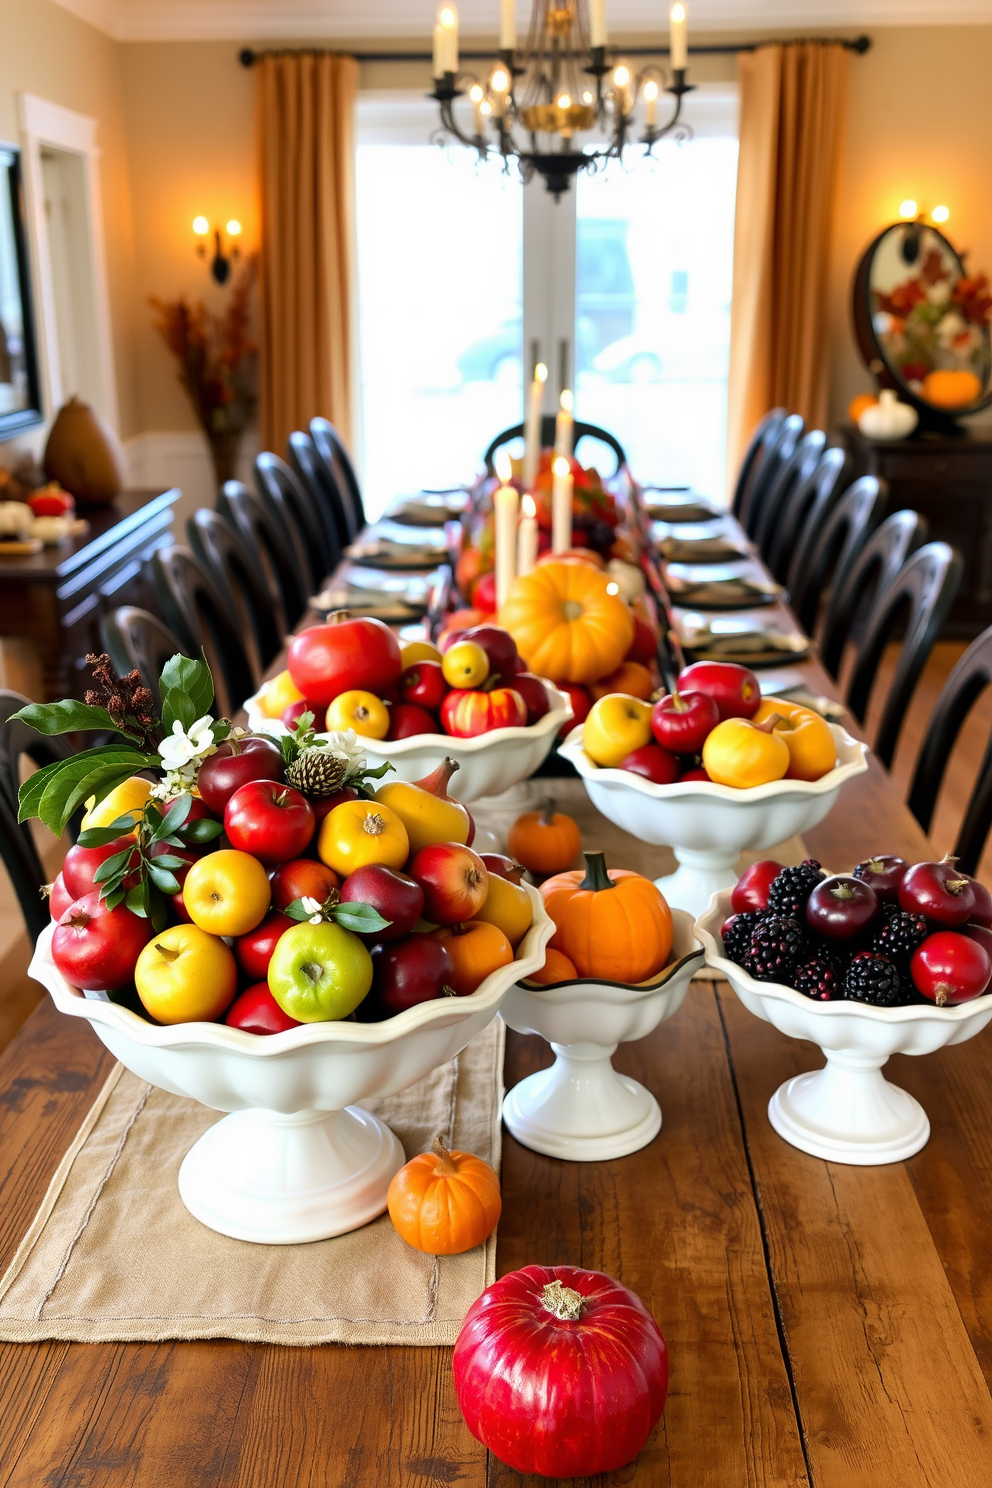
column 47, row 51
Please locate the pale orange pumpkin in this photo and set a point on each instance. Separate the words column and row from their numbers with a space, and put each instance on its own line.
column 947, row 388
column 857, row 405
column 545, row 841
column 568, row 621
column 444, row 1202
column 614, row 925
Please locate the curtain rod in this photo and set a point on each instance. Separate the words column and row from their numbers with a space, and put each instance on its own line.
column 248, row 56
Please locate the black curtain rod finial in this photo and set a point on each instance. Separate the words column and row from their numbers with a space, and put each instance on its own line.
column 248, row 56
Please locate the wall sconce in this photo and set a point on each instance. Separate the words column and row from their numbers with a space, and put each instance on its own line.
column 220, row 264
column 915, row 218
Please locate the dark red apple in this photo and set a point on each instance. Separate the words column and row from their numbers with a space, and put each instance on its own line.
column 653, row 763
column 256, row 1011
column 454, row 879
column 696, row 773
column 499, row 646
column 681, row 722
column 982, row 912
column 751, row 889
column 735, row 689
column 302, row 877
column 534, row 694
column 82, row 862
column 324, row 805
column 397, row 897
column 503, row 867
column 253, row 951
column 59, row 899
column 406, row 720
column 841, row 907
column 423, row 684
column 883, row 873
column 406, row 973
column 939, row 891
column 235, row 763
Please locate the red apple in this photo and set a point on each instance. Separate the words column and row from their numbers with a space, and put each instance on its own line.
column 290, row 715
column 59, row 899
column 256, row 1011
column 484, row 594
column 424, row 684
column 499, row 646
column 696, row 773
column 653, row 763
column 503, row 867
column 405, row 974
column 273, row 822
column 406, row 720
column 681, row 721
column 397, row 897
column 939, row 891
column 581, row 700
column 948, row 968
column 734, row 689
column 299, row 878
column 982, row 912
column 644, row 646
column 189, row 856
column 97, row 948
column 253, row 951
column 234, row 764
column 346, row 653
column 82, row 862
column 534, row 694
column 454, row 879
column 466, row 713
column 751, row 889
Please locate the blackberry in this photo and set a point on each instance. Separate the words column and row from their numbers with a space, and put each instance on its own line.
column 792, row 887
column 873, row 978
column 777, row 944
column 899, row 934
column 818, row 979
column 737, row 934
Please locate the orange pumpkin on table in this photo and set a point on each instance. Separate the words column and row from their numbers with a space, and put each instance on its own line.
column 614, row 925
column 568, row 621
column 545, row 841
column 444, row 1202
column 949, row 388
column 476, row 948
column 556, row 968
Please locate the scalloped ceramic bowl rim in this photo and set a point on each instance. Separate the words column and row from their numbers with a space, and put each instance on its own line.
column 487, row 996
column 651, row 985
column 709, row 790
column 840, row 1007
column 555, row 718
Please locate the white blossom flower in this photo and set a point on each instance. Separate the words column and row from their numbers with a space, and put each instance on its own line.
column 312, row 907
column 939, row 293
column 344, row 743
column 949, row 327
column 181, row 748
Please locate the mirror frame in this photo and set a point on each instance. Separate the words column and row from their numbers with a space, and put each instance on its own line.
column 872, row 350
column 19, row 420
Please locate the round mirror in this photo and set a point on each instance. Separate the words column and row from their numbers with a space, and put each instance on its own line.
column 922, row 322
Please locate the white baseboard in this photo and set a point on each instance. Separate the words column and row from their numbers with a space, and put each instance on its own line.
column 182, row 458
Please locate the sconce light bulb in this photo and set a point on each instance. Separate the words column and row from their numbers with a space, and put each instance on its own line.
column 564, row 102
column 560, row 465
column 621, row 76
column 567, row 401
column 650, row 90
column 499, row 82
column 587, row 97
column 503, row 466
column 233, row 228
column 475, row 92
column 907, row 208
column 940, row 214
column 529, row 506
column 201, row 226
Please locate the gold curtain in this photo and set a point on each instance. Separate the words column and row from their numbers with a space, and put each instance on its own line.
column 792, row 113
column 306, row 112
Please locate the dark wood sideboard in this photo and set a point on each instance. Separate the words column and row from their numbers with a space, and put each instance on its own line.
column 56, row 599
column 947, row 478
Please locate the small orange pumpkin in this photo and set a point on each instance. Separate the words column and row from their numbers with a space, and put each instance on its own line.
column 568, row 621
column 857, row 406
column 556, row 968
column 614, row 925
column 444, row 1202
column 545, row 841
column 947, row 388
column 631, row 677
column 477, row 949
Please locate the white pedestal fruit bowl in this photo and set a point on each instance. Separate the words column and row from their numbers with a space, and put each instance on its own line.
column 846, row 1112
column 487, row 765
column 295, row 1160
column 581, row 1108
column 708, row 826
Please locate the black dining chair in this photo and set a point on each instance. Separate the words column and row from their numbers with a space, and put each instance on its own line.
column 920, row 597
column 809, row 506
column 765, row 471
column 331, row 449
column 826, row 551
column 17, row 845
column 881, row 558
column 293, row 503
column 580, row 431
column 968, row 680
column 136, row 640
column 236, row 571
column 765, row 434
column 793, row 473
column 199, row 612
column 316, row 475
column 253, row 518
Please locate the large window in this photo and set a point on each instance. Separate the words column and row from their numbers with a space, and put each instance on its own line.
column 623, row 287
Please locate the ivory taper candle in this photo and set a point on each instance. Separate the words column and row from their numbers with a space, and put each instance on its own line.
column 561, row 505
column 564, row 425
column 532, row 427
column 678, row 36
column 505, row 507
column 527, row 537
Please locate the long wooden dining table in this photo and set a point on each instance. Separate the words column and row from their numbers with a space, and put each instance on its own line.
column 828, row 1325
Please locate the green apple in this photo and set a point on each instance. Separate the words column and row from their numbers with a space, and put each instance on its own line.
column 319, row 972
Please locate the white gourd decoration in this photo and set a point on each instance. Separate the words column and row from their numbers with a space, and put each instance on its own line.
column 16, row 519
column 888, row 418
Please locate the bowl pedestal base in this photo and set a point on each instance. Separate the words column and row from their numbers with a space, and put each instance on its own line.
column 581, row 1109
column 849, row 1113
column 701, row 874
column 284, row 1180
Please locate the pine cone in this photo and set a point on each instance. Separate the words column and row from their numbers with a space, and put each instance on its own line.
column 317, row 772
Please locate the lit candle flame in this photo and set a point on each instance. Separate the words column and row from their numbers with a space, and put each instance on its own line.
column 678, row 12
column 564, row 102
column 567, row 401
column 446, row 17
column 503, row 466
column 529, row 506
column 540, row 373
column 650, row 90
column 201, row 226
column 475, row 92
column 621, row 76
column 499, row 81
column 561, row 466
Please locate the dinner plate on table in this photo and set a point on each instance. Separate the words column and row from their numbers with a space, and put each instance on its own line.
column 383, row 553
column 677, row 504
column 429, row 509
column 370, row 592
column 735, row 592
column 706, row 549
column 736, row 639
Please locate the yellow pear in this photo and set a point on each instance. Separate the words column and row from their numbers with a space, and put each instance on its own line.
column 425, row 808
column 128, row 797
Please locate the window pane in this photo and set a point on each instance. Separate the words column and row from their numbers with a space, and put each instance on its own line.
column 440, row 285
column 655, row 241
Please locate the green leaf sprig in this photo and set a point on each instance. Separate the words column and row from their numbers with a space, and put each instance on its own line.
column 137, row 875
column 363, row 919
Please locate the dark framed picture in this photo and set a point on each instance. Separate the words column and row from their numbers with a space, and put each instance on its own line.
column 20, row 393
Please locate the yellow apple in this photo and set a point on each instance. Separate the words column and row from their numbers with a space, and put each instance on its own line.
column 184, row 975
column 616, row 725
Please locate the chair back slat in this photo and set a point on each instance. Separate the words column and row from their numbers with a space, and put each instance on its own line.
column 873, row 570
column 293, row 504
column 580, row 430
column 138, row 641
column 332, row 450
column 792, row 474
column 764, row 436
column 825, row 552
column 253, row 518
column 319, row 480
column 196, row 609
column 780, row 451
column 17, row 845
column 809, row 506
column 226, row 556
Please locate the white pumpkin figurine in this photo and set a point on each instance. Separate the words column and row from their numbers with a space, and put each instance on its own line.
column 888, row 418
column 16, row 520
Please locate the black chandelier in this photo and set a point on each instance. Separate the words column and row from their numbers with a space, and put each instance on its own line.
column 558, row 87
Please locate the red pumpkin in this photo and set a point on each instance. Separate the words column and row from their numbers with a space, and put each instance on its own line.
column 466, row 713
column 344, row 655
column 561, row 1371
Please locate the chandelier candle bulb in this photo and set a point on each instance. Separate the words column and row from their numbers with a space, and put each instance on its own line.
column 561, row 505
column 477, row 94
column 508, row 26
column 650, row 103
column 597, row 23
column 505, row 506
column 532, row 427
column 447, row 20
column 527, row 538
column 564, row 425
column 679, row 37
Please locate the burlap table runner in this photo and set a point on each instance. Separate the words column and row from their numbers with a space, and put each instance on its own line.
column 113, row 1254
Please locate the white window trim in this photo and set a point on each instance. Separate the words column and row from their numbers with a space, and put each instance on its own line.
column 48, row 124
